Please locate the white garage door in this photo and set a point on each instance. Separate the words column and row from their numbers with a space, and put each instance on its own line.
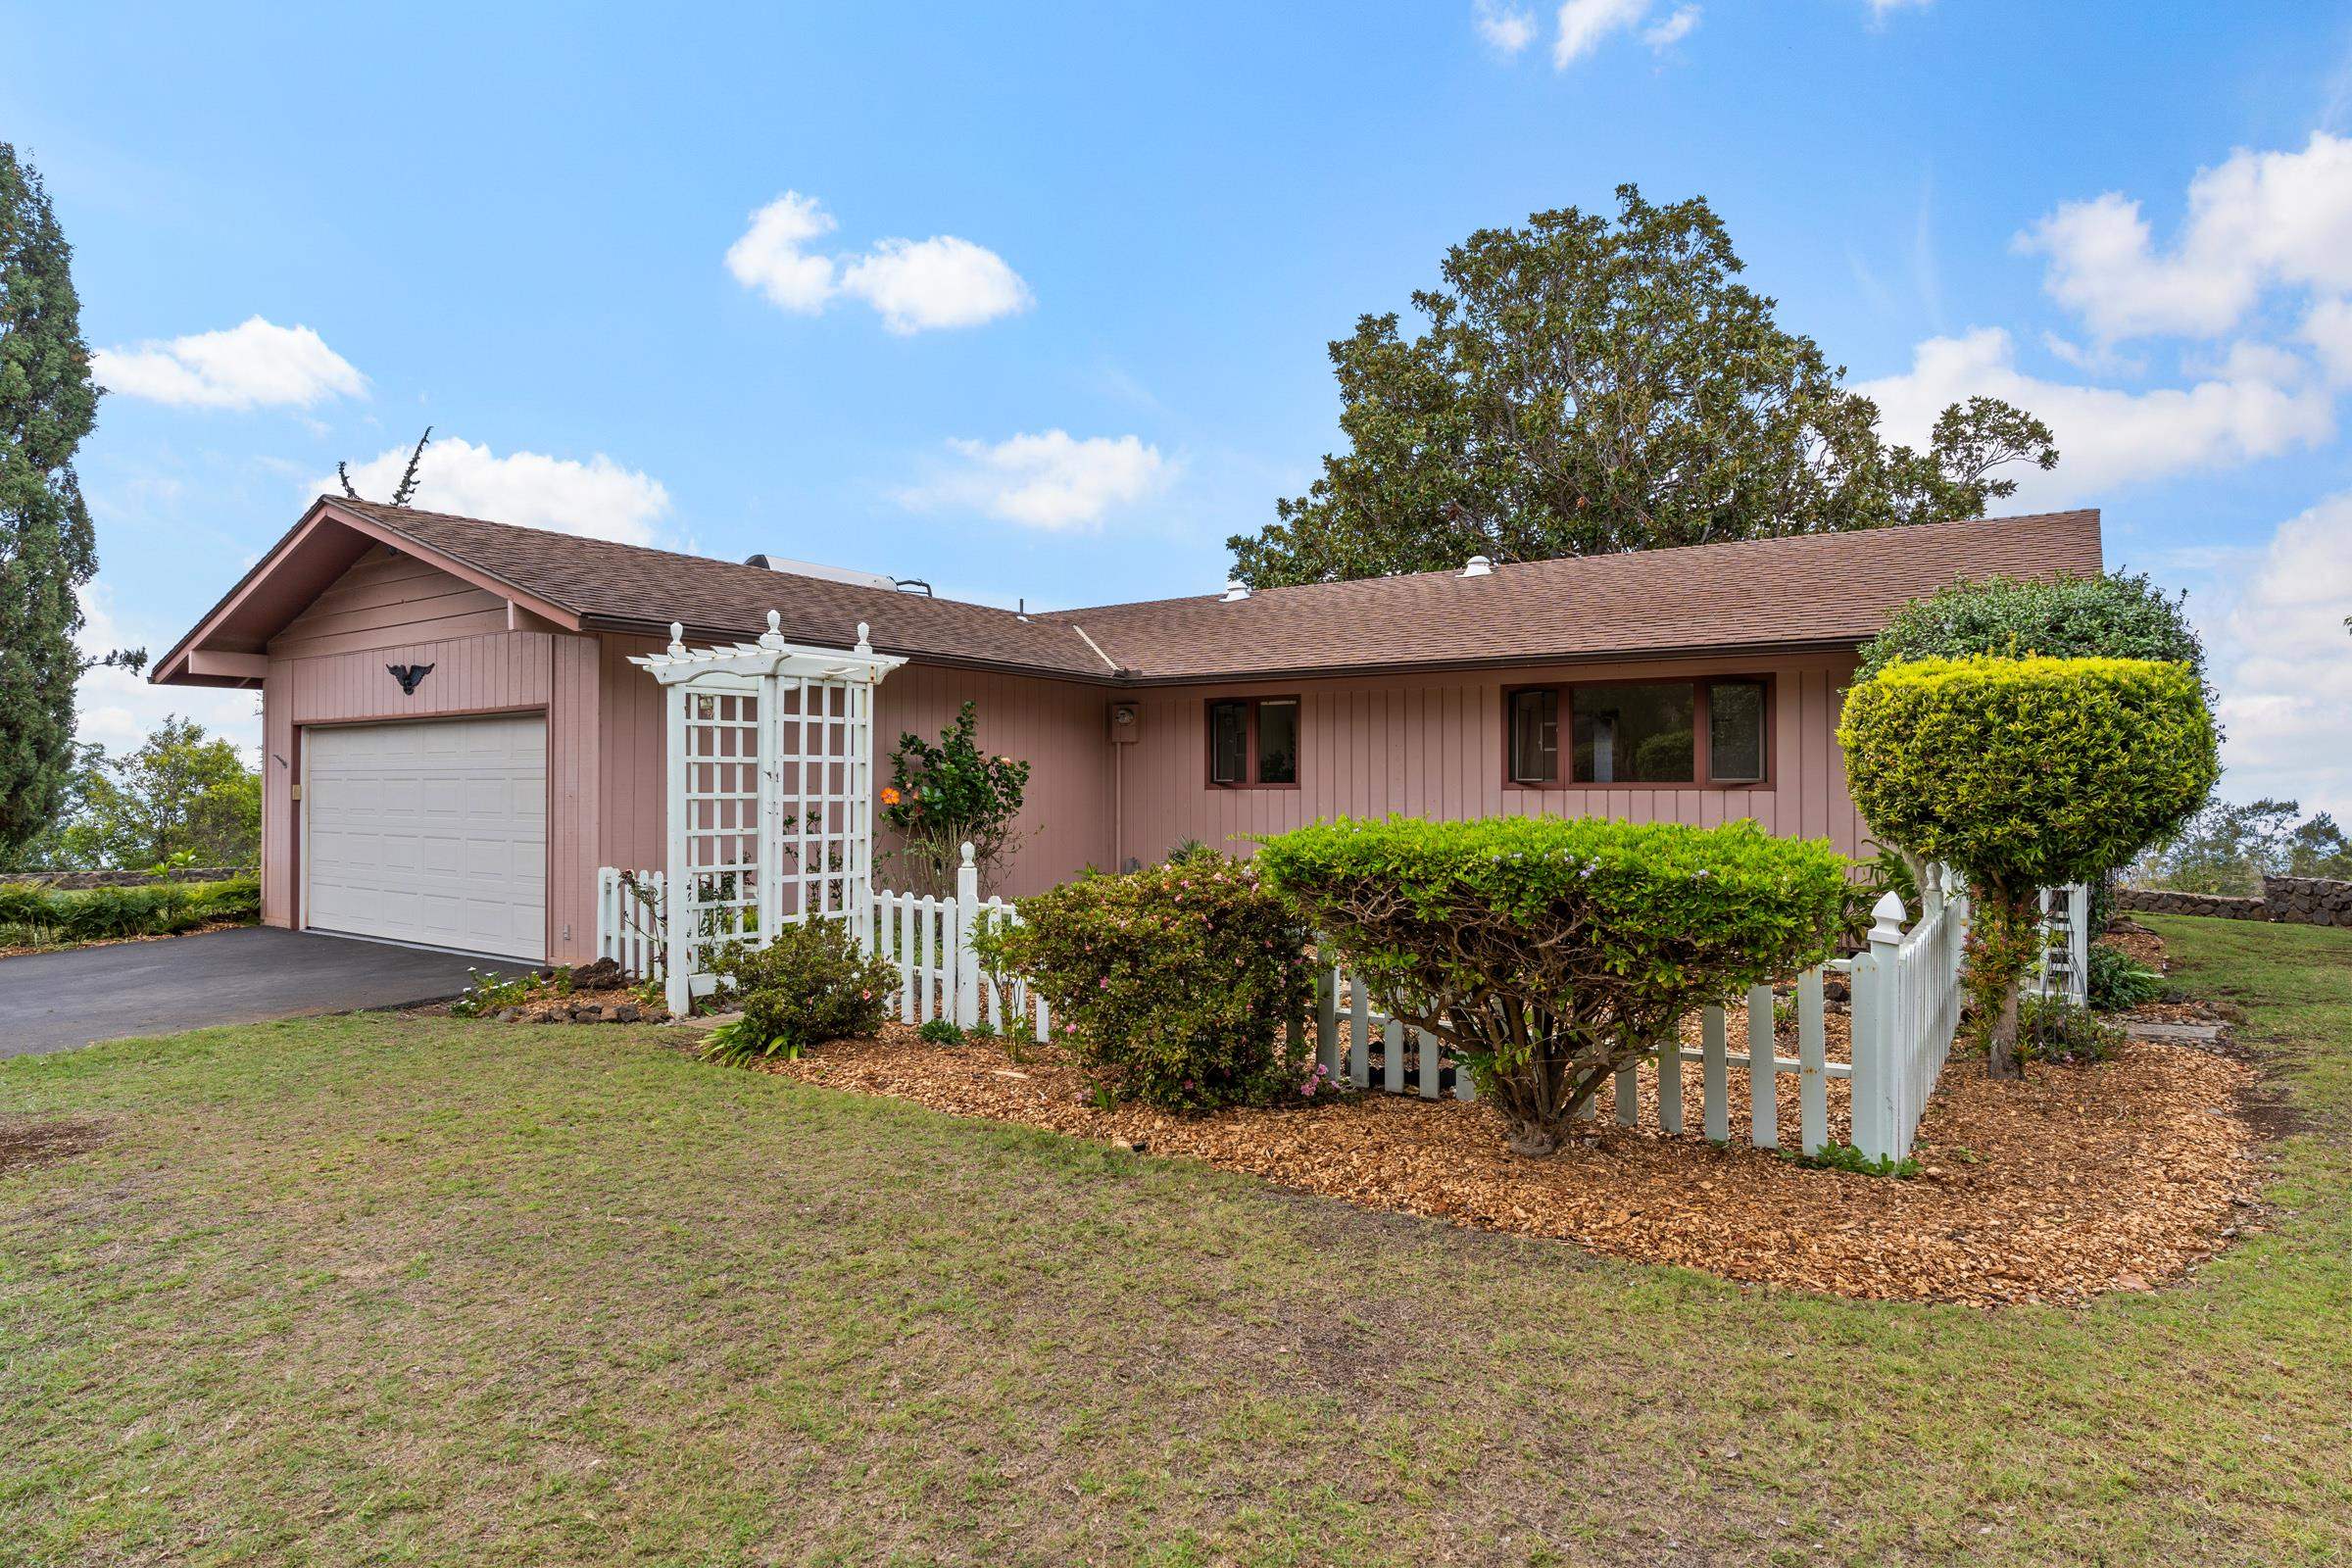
column 432, row 832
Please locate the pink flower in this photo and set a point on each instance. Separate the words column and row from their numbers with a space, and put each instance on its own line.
column 1106, row 982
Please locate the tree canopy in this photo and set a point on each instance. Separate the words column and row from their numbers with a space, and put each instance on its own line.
column 47, row 547
column 2117, row 616
column 1588, row 384
column 183, row 796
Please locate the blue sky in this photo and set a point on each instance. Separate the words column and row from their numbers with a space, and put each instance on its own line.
column 1045, row 313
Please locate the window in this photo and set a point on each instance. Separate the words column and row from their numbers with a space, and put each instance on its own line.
column 1639, row 732
column 1735, row 731
column 1253, row 742
column 1535, row 736
column 1635, row 734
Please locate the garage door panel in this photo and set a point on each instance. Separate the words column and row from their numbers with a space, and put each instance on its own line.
column 431, row 832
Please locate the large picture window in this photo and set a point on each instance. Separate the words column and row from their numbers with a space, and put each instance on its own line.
column 1651, row 732
column 1253, row 742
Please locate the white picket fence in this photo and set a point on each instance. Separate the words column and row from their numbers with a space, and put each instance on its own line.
column 929, row 939
column 632, row 920
column 1904, row 1013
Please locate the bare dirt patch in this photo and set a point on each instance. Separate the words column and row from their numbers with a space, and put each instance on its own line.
column 2114, row 1176
column 29, row 1141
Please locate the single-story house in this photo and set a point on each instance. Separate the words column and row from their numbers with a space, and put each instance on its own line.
column 455, row 738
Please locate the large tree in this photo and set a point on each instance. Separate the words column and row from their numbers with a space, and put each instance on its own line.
column 182, row 795
column 47, row 550
column 1589, row 385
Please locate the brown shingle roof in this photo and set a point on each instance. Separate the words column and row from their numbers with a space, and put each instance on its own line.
column 630, row 585
column 1813, row 590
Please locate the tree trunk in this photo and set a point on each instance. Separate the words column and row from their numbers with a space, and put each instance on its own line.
column 2000, row 1050
column 1525, row 1134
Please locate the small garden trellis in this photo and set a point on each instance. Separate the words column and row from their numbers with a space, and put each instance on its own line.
column 771, row 797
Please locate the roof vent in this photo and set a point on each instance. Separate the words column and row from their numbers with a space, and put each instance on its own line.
column 1480, row 566
column 1235, row 590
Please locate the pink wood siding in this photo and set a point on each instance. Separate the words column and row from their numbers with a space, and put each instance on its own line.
column 1427, row 745
column 1059, row 726
column 329, row 666
column 1433, row 746
column 388, row 597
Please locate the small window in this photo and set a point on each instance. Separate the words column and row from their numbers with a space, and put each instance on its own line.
column 1635, row 733
column 1535, row 737
column 1735, row 731
column 1253, row 742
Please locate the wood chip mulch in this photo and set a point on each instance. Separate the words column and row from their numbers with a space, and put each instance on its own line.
column 2079, row 1180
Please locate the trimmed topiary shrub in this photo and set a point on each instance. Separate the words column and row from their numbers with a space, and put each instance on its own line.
column 2026, row 773
column 1549, row 952
column 1171, row 984
column 811, row 983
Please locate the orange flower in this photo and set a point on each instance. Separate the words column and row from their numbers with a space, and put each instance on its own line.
column 889, row 797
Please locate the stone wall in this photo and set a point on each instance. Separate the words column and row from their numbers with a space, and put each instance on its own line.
column 2308, row 900
column 2154, row 900
column 2298, row 900
column 125, row 879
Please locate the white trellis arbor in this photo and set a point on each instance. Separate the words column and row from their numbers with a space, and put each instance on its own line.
column 771, row 816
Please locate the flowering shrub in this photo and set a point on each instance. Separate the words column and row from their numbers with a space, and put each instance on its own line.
column 1548, row 953
column 943, row 797
column 1171, row 985
column 811, row 983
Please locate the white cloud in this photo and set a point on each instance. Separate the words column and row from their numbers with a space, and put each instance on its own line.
column 1509, row 29
column 1879, row 10
column 940, row 281
column 253, row 365
column 1673, row 29
column 2257, row 402
column 1585, row 23
column 117, row 710
column 769, row 257
column 599, row 497
column 915, row 284
column 2255, row 221
column 2282, row 661
column 2328, row 328
column 1050, row 480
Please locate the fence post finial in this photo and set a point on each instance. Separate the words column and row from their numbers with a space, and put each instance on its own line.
column 864, row 646
column 1886, row 918
column 773, row 637
column 677, row 640
column 968, row 925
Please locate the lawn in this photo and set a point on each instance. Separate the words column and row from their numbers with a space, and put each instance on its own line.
column 363, row 1290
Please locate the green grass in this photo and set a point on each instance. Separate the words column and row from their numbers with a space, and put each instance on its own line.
column 359, row 1290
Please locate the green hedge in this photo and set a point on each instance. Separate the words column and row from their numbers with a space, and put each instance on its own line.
column 1548, row 951
column 1170, row 985
column 45, row 916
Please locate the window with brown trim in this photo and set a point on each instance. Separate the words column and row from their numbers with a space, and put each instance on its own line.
column 1639, row 732
column 1253, row 742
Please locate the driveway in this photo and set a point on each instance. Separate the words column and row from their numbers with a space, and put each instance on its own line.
column 56, row 1000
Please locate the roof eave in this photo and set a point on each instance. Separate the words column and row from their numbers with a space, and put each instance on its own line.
column 171, row 669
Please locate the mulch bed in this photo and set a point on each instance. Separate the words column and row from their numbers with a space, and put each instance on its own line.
column 2114, row 1176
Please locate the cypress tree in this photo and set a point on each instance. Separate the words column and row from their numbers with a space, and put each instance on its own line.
column 47, row 547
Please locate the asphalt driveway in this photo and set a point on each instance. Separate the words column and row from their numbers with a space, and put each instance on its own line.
column 56, row 1000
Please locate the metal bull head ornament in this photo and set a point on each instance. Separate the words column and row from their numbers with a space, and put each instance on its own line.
column 409, row 677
